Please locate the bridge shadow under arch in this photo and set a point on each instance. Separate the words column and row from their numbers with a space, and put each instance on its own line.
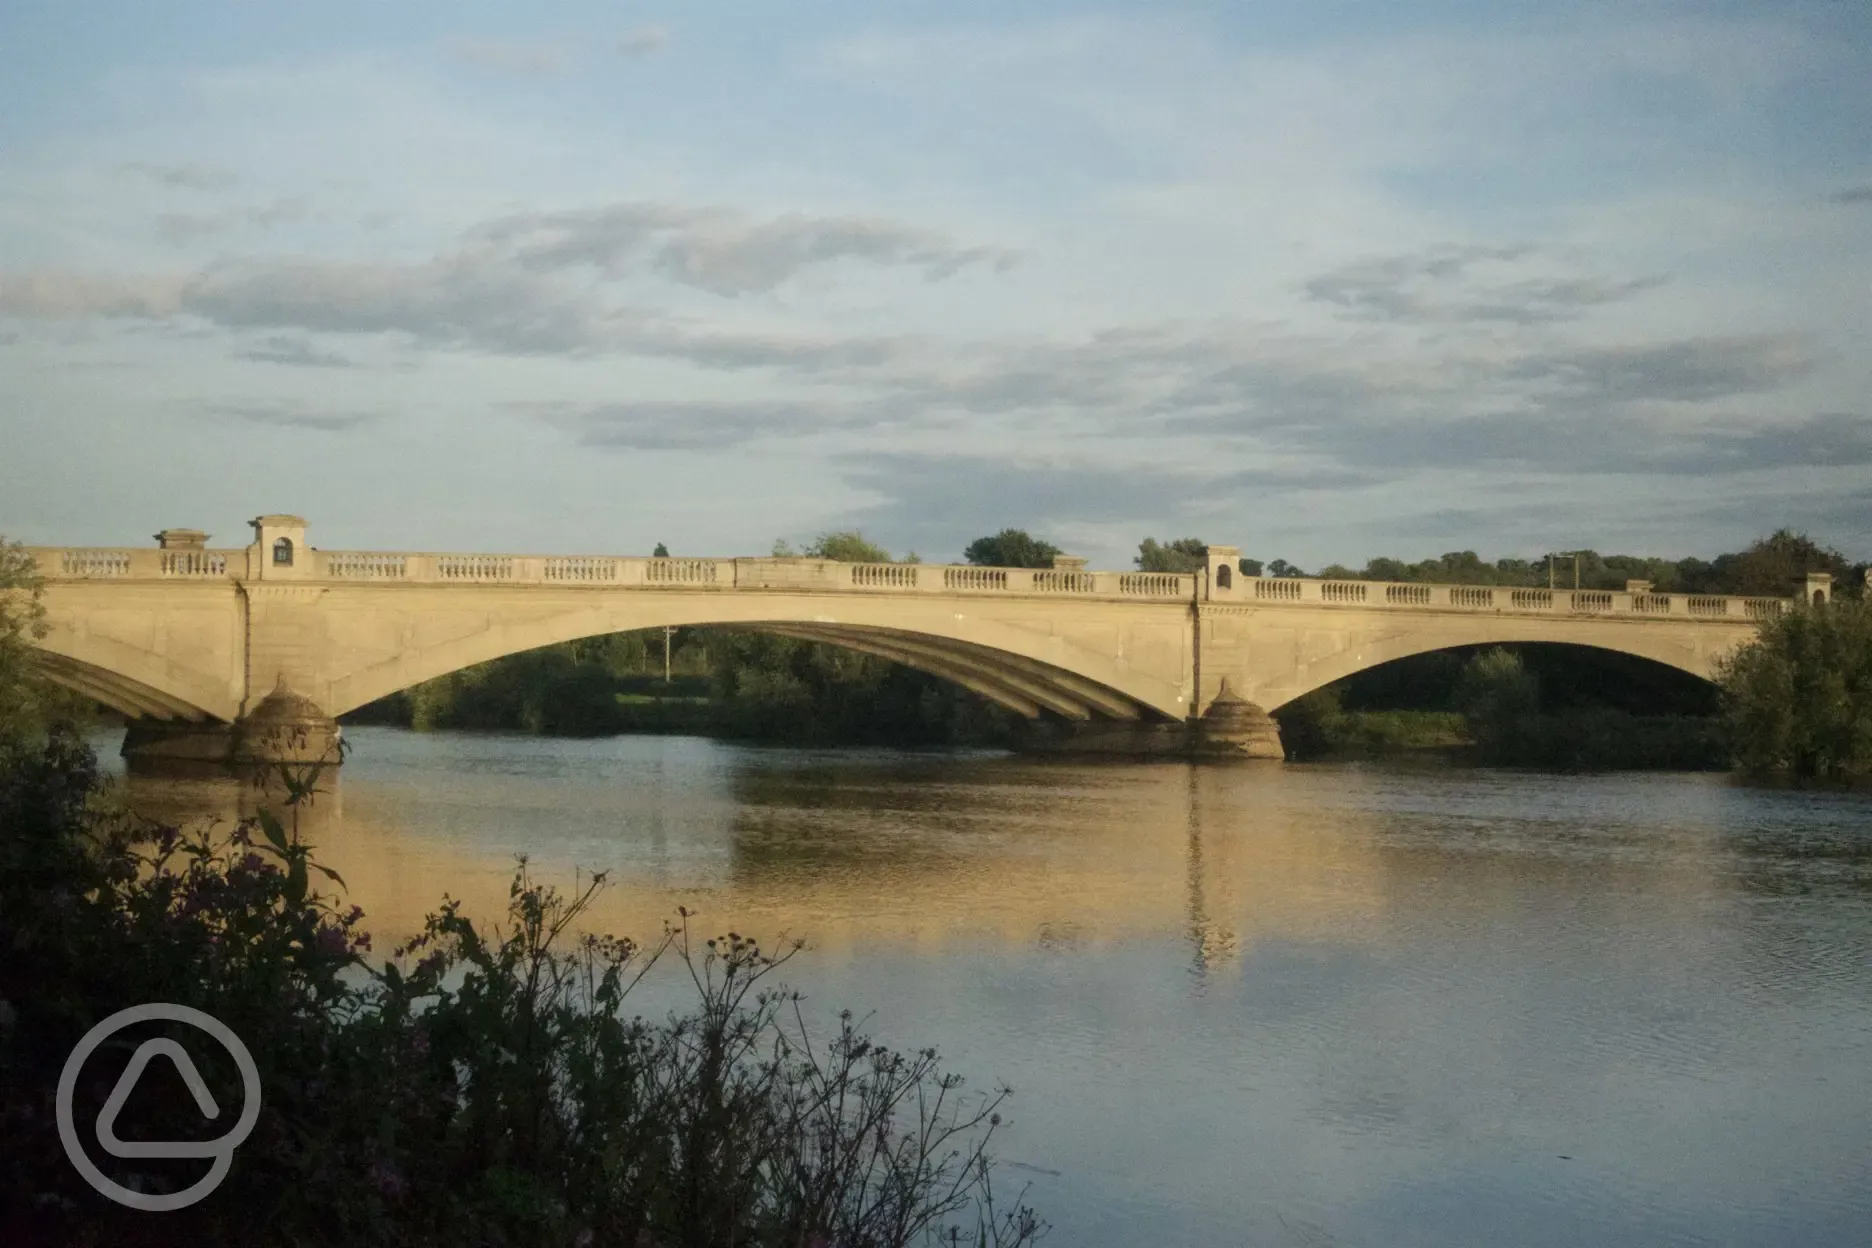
column 1026, row 686
column 1570, row 675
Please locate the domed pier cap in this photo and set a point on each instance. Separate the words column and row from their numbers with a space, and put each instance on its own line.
column 1234, row 726
column 287, row 727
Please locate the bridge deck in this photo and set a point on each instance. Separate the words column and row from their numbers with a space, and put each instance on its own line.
column 66, row 564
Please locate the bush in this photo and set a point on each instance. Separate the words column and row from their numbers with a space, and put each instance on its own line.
column 483, row 1088
column 1799, row 698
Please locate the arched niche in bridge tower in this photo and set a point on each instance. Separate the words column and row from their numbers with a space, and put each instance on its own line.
column 1819, row 588
column 1221, row 584
column 279, row 550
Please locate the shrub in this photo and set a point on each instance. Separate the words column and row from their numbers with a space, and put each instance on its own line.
column 484, row 1087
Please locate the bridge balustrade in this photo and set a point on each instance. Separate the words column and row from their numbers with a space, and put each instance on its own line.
column 1056, row 581
column 819, row 575
column 581, row 569
column 365, row 566
column 884, row 575
column 98, row 563
column 679, row 571
column 1151, row 584
column 975, row 578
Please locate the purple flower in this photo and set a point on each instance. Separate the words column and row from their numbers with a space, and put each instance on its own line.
column 387, row 1180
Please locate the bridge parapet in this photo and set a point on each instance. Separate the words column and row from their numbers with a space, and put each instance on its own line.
column 1396, row 595
column 791, row 574
column 93, row 563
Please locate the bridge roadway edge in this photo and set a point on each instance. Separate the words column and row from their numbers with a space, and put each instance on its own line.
column 195, row 647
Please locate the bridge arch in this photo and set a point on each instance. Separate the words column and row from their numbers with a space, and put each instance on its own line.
column 1272, row 657
column 1376, row 652
column 1028, row 671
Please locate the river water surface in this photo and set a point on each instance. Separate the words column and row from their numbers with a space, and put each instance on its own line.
column 1340, row 1004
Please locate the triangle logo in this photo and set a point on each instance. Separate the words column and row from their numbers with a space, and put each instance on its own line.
column 126, row 1083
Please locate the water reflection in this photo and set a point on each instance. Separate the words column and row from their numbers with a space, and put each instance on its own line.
column 1350, row 1005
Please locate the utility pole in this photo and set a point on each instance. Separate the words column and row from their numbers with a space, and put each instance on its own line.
column 1562, row 554
column 667, row 630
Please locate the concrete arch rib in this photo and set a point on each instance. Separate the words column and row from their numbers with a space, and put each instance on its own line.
column 114, row 690
column 1090, row 694
column 499, row 625
column 1026, row 696
column 134, row 680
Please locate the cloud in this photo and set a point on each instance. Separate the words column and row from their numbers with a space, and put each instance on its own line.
column 523, row 285
column 1464, row 284
column 1853, row 195
column 285, row 415
column 188, row 177
column 509, row 56
column 940, row 501
column 644, row 40
column 55, row 294
column 691, row 424
column 720, row 251
column 1687, row 370
column 1659, row 408
column 183, row 227
column 286, row 349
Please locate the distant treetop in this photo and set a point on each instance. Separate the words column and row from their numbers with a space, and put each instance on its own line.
column 1185, row 554
column 1011, row 548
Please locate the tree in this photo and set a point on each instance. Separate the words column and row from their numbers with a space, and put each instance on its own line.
column 1776, row 565
column 1250, row 567
column 1280, row 567
column 661, row 551
column 1185, row 554
column 847, row 547
column 22, row 621
column 1799, row 698
column 1011, row 548
column 1497, row 696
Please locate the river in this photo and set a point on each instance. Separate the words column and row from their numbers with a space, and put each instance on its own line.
column 1335, row 1004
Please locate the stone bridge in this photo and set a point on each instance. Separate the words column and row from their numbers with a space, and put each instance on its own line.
column 251, row 652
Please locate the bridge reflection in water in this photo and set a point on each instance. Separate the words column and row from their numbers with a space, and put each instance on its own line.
column 922, row 852
column 1378, row 1005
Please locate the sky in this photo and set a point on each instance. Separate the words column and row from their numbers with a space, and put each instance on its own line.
column 1321, row 280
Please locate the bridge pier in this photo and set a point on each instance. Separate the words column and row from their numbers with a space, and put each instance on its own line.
column 284, row 728
column 1232, row 729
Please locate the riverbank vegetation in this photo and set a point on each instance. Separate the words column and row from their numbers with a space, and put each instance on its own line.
column 1800, row 699
column 1526, row 707
column 480, row 1085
